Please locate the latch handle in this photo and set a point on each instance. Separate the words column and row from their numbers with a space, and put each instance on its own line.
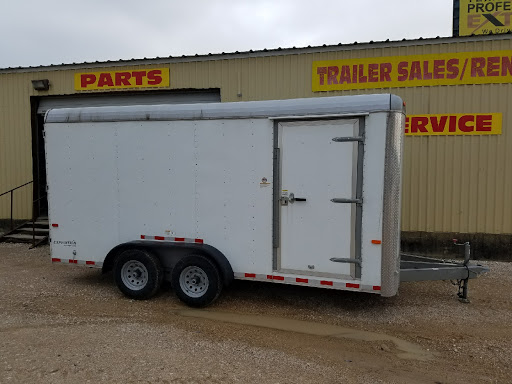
column 292, row 198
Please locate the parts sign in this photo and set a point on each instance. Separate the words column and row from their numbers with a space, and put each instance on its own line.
column 481, row 17
column 125, row 79
column 413, row 71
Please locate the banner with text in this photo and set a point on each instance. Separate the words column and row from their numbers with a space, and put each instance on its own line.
column 413, row 71
column 479, row 17
column 126, row 79
column 454, row 124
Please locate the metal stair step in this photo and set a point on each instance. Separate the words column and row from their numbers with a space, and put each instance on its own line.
column 41, row 222
column 21, row 238
column 38, row 231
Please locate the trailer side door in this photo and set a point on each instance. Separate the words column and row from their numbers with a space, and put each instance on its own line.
column 319, row 202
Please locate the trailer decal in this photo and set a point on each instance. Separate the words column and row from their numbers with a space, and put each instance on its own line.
column 172, row 239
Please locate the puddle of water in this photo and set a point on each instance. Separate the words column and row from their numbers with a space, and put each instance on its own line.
column 406, row 349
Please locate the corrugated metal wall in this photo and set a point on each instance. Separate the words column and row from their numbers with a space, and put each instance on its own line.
column 451, row 183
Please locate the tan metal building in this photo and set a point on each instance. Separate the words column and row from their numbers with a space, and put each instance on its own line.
column 457, row 179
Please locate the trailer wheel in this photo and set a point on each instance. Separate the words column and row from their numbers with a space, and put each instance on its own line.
column 196, row 281
column 138, row 274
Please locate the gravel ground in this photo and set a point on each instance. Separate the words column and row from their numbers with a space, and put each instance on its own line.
column 70, row 324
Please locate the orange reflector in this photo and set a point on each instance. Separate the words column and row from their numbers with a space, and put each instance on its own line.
column 376, row 242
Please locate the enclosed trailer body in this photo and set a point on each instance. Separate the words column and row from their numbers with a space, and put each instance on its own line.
column 303, row 191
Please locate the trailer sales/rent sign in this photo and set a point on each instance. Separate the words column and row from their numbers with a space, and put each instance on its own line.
column 413, row 71
column 125, row 79
column 481, row 17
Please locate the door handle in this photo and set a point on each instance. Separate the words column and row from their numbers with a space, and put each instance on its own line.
column 293, row 199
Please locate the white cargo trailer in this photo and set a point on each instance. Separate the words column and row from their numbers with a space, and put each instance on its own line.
column 303, row 191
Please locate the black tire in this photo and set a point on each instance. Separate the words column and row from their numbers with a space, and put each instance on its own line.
column 138, row 274
column 196, row 281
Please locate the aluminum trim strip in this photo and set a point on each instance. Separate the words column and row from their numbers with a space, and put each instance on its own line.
column 390, row 268
column 86, row 263
column 346, row 285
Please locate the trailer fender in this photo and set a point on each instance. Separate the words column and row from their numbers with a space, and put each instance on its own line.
column 170, row 253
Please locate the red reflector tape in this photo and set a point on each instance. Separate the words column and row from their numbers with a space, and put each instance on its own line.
column 350, row 285
column 376, row 242
column 179, row 239
column 142, row 237
column 250, row 275
column 299, row 280
column 323, row 282
column 376, row 288
column 159, row 238
column 55, row 260
column 73, row 261
column 55, row 225
column 199, row 241
column 90, row 262
column 270, row 277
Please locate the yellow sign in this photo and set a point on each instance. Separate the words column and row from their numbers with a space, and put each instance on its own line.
column 413, row 71
column 481, row 17
column 137, row 78
column 453, row 124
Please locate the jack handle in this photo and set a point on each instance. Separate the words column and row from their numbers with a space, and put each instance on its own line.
column 467, row 250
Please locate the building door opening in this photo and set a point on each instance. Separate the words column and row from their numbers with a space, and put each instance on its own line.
column 40, row 205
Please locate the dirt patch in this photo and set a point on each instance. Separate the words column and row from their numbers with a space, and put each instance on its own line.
column 64, row 324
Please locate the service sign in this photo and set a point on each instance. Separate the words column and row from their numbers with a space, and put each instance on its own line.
column 413, row 71
column 454, row 124
column 481, row 17
column 125, row 79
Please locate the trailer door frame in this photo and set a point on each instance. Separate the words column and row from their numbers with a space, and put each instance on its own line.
column 357, row 139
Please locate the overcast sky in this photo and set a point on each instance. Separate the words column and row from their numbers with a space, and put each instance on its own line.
column 54, row 31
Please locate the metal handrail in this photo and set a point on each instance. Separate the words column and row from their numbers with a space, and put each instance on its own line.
column 34, row 244
column 12, row 205
column 18, row 187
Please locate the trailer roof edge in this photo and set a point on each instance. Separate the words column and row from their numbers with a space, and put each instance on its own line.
column 320, row 106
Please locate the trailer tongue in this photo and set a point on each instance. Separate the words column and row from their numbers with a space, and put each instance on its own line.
column 421, row 268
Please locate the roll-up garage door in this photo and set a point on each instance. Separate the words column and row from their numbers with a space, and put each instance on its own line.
column 124, row 99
